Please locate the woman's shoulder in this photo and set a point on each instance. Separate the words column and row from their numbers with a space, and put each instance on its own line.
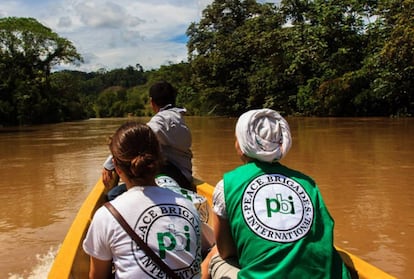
column 164, row 195
column 147, row 198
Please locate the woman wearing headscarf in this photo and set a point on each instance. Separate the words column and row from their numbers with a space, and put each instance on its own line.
column 270, row 221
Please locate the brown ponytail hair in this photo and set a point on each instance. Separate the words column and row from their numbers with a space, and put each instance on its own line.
column 136, row 151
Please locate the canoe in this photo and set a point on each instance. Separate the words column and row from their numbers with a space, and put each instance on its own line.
column 72, row 262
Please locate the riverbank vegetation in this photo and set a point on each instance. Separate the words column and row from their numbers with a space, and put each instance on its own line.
column 319, row 58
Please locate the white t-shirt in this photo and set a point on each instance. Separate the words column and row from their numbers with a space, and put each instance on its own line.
column 219, row 203
column 165, row 220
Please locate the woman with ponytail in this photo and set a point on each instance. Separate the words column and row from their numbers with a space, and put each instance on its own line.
column 166, row 221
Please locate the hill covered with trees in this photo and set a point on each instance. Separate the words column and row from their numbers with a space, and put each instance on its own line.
column 319, row 57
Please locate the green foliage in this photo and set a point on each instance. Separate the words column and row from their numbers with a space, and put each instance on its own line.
column 328, row 58
column 396, row 59
column 117, row 101
column 28, row 50
column 320, row 57
column 225, row 49
column 179, row 75
column 67, row 88
column 136, row 100
column 111, row 102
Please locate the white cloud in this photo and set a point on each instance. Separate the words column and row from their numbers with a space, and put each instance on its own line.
column 64, row 21
column 116, row 33
column 107, row 15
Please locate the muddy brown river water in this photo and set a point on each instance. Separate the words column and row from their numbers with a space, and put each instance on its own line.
column 363, row 166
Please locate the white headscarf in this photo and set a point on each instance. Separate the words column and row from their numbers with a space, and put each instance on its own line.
column 263, row 134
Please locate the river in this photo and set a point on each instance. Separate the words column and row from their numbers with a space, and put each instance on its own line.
column 363, row 167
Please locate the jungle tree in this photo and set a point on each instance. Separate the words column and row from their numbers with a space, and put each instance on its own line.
column 393, row 86
column 28, row 51
column 222, row 49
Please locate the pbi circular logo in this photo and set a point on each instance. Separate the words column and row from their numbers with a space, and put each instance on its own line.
column 277, row 208
column 175, row 231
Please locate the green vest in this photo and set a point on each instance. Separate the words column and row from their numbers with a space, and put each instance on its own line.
column 280, row 224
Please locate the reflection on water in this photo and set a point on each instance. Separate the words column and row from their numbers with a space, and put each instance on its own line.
column 362, row 166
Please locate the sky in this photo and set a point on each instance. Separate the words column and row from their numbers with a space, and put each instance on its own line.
column 114, row 34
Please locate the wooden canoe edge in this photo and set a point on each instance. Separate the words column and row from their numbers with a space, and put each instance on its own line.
column 358, row 267
column 69, row 261
column 72, row 262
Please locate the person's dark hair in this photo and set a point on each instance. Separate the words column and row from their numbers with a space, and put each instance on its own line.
column 163, row 93
column 136, row 151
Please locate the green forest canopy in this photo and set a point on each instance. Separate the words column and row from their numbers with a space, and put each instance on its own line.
column 320, row 58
